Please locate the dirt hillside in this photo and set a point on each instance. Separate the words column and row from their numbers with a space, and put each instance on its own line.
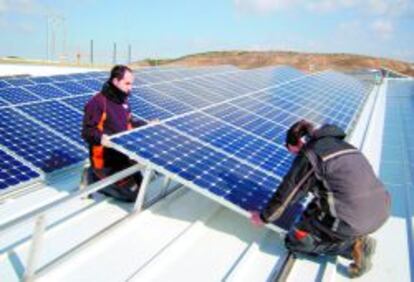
column 304, row 61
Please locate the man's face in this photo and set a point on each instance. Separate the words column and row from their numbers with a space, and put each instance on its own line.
column 124, row 84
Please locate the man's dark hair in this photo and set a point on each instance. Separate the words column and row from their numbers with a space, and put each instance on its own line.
column 298, row 130
column 118, row 72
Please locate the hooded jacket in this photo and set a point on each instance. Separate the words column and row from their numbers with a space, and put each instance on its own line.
column 108, row 112
column 350, row 199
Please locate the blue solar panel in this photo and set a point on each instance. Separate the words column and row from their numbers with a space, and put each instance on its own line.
column 78, row 76
column 175, row 92
column 250, row 121
column 46, row 91
column 19, row 81
column 60, row 77
column 4, row 84
column 212, row 84
column 13, row 172
column 93, row 84
column 17, row 95
column 93, row 74
column 57, row 116
column 262, row 153
column 248, row 131
column 200, row 91
column 78, row 102
column 265, row 110
column 44, row 149
column 73, row 88
column 206, row 168
column 3, row 103
column 167, row 103
column 41, row 79
column 146, row 110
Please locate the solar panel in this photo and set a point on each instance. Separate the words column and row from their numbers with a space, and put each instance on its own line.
column 208, row 170
column 242, row 144
column 60, row 77
column 46, row 91
column 250, row 121
column 41, row 79
column 14, row 173
column 57, row 116
column 4, row 84
column 246, row 131
column 17, row 95
column 200, row 91
column 93, row 84
column 172, row 90
column 41, row 147
column 156, row 98
column 146, row 110
column 72, row 87
column 19, row 81
column 3, row 103
column 78, row 102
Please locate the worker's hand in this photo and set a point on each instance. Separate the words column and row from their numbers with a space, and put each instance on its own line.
column 105, row 140
column 255, row 219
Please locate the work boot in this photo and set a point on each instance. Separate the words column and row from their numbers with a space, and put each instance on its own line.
column 362, row 251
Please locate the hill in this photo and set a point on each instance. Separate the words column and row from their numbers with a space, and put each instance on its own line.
column 303, row 61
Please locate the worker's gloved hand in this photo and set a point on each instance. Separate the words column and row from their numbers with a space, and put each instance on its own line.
column 255, row 219
column 105, row 140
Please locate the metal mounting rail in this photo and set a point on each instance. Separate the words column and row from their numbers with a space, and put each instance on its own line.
column 286, row 268
column 40, row 213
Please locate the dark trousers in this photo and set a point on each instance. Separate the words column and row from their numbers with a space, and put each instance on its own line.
column 307, row 237
column 125, row 190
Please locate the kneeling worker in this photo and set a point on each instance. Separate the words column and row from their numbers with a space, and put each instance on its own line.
column 108, row 113
column 349, row 201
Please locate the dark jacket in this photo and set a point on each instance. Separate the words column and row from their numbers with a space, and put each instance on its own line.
column 108, row 112
column 349, row 199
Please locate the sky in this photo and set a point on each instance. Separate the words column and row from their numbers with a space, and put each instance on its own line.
column 167, row 29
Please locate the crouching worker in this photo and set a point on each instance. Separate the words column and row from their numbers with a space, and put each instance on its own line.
column 349, row 201
column 108, row 113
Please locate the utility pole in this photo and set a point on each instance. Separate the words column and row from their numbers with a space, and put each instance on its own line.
column 129, row 54
column 114, row 54
column 53, row 23
column 47, row 38
column 91, row 52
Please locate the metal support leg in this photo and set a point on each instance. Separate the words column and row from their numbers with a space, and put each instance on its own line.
column 35, row 248
column 141, row 195
column 165, row 185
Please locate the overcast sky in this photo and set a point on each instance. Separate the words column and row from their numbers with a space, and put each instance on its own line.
column 174, row 28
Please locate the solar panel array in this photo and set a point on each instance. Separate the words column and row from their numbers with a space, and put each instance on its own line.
column 232, row 149
column 41, row 116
